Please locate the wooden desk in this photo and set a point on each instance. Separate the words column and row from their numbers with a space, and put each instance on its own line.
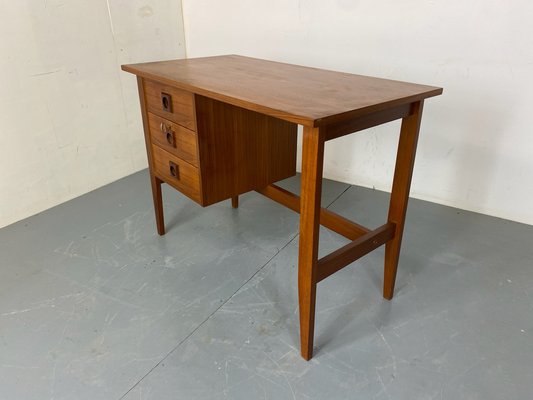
column 217, row 127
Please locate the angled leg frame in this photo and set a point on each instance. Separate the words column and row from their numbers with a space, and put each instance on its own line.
column 312, row 270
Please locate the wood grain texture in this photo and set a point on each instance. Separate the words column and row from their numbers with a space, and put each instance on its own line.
column 312, row 164
column 182, row 103
column 154, row 181
column 183, row 142
column 188, row 180
column 405, row 161
column 329, row 219
column 244, row 113
column 158, row 204
column 241, row 150
column 307, row 96
column 351, row 252
column 342, row 128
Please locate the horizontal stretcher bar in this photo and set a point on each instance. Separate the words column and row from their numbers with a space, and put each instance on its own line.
column 363, row 239
column 361, row 246
column 329, row 219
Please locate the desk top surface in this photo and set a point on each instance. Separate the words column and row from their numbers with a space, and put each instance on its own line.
column 307, row 96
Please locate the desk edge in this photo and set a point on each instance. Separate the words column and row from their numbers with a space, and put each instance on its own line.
column 298, row 119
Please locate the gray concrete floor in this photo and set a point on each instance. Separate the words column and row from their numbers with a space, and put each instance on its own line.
column 94, row 305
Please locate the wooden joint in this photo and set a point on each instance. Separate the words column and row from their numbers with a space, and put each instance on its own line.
column 329, row 219
column 338, row 129
column 340, row 258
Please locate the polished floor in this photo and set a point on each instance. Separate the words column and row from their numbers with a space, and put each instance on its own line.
column 94, row 305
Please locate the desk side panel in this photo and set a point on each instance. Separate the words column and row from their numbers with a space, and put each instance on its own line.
column 241, row 150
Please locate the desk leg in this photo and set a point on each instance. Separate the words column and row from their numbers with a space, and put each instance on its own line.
column 235, row 202
column 158, row 204
column 156, row 182
column 312, row 163
column 403, row 172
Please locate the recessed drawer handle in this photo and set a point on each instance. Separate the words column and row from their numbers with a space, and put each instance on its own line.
column 174, row 169
column 166, row 102
column 170, row 139
column 169, row 134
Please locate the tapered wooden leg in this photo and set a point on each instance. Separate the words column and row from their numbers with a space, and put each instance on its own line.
column 235, row 202
column 312, row 163
column 156, row 182
column 401, row 185
column 158, row 204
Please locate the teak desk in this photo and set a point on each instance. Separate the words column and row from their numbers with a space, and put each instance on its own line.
column 217, row 127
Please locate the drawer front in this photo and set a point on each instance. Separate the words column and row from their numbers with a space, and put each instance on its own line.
column 174, row 138
column 177, row 173
column 171, row 103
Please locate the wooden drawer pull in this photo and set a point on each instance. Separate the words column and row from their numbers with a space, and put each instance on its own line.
column 169, row 134
column 170, row 139
column 174, row 169
column 166, row 102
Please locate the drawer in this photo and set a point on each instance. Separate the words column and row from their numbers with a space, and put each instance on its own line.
column 177, row 173
column 170, row 103
column 174, row 138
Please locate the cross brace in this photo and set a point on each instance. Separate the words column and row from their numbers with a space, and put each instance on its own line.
column 363, row 239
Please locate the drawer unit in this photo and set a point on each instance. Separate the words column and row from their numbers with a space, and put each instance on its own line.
column 241, row 150
column 174, row 138
column 170, row 103
column 210, row 150
column 177, row 173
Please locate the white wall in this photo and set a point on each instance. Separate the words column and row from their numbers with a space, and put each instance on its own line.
column 69, row 118
column 476, row 145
